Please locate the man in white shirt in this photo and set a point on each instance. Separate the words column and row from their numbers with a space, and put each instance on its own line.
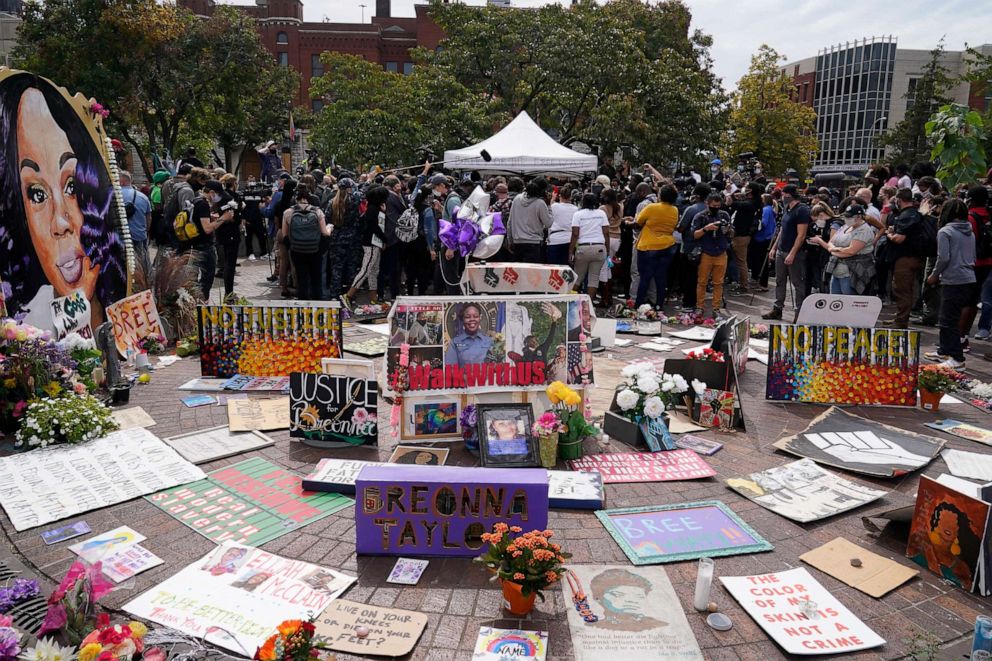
column 872, row 214
column 560, row 233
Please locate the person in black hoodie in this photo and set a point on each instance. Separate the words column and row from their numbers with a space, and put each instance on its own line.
column 229, row 234
column 373, row 238
column 389, row 273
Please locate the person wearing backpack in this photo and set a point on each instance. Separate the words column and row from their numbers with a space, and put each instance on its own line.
column 304, row 225
column 139, row 214
column 206, row 217
column 909, row 242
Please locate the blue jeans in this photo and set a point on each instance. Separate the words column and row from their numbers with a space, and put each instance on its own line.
column 558, row 254
column 841, row 286
column 653, row 264
column 985, row 321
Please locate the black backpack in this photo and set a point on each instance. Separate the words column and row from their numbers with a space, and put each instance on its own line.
column 304, row 231
column 926, row 236
column 983, row 240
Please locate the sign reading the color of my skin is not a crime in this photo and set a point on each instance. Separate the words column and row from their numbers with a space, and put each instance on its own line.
column 134, row 318
column 843, row 365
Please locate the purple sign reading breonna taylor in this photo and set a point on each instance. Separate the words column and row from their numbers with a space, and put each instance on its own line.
column 443, row 510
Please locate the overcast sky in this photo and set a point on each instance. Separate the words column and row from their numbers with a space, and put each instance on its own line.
column 795, row 28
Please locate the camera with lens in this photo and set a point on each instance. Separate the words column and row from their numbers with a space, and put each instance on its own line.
column 255, row 192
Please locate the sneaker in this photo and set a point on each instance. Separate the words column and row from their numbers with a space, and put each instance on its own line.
column 265, row 256
column 953, row 364
column 965, row 347
column 936, row 356
column 345, row 301
column 251, row 258
column 272, row 278
column 774, row 313
column 286, row 294
column 982, row 334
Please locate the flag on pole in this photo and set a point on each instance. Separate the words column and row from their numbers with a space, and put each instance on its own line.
column 292, row 128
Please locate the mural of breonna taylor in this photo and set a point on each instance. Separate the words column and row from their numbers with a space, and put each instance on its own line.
column 59, row 226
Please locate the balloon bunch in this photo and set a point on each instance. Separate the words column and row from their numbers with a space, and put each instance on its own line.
column 474, row 231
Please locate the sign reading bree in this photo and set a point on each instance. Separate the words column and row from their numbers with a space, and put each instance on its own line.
column 429, row 510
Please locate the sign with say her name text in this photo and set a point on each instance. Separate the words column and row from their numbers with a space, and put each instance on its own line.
column 333, row 411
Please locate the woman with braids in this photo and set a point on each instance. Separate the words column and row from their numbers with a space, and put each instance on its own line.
column 58, row 222
column 949, row 547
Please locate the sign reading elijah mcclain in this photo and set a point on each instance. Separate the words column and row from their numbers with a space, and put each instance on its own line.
column 333, row 411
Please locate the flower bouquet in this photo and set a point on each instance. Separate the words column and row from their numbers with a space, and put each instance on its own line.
column 152, row 344
column 526, row 564
column 113, row 642
column 759, row 331
column 72, row 605
column 546, row 430
column 573, row 426
column 706, row 354
column 294, row 642
column 32, row 366
column 643, row 396
column 188, row 346
column 65, row 419
column 935, row 381
column 19, row 591
column 10, row 639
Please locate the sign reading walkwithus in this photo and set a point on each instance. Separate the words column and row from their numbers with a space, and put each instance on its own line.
column 843, row 365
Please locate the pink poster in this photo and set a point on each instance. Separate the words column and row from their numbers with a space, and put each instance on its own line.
column 668, row 466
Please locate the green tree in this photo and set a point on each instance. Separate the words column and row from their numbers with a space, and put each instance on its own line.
column 765, row 120
column 958, row 136
column 979, row 76
column 908, row 138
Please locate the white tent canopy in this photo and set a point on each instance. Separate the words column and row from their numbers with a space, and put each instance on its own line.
column 522, row 148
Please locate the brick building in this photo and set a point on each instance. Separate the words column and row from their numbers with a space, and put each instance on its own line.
column 294, row 42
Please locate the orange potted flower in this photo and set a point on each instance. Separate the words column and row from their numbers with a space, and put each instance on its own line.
column 526, row 563
column 935, row 381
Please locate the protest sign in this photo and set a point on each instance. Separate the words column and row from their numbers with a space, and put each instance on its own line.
column 669, row 466
column 134, row 318
column 875, row 576
column 842, row 365
column 251, row 502
column 800, row 614
column 120, row 553
column 495, row 644
column 71, row 314
column 205, row 445
column 972, row 465
column 634, row 613
column 840, row 309
column 844, row 440
column 268, row 339
column 962, row 430
column 672, row 533
column 236, row 596
column 60, row 481
column 333, row 411
column 517, row 278
column 133, row 417
column 258, row 414
column 698, row 444
column 802, row 491
column 391, row 631
column 459, row 344
column 243, row 383
column 575, row 489
column 336, row 475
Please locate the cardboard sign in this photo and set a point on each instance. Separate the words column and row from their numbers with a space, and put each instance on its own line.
column 876, row 577
column 252, row 502
column 236, row 596
column 258, row 414
column 71, row 314
column 268, row 339
column 60, row 481
column 133, row 417
column 120, row 553
column 842, row 439
column 392, row 632
column 972, row 465
column 333, row 411
column 337, row 475
column 495, row 644
column 206, row 445
column 243, row 383
column 840, row 309
column 802, row 491
column 800, row 614
column 842, row 365
column 635, row 614
column 517, row 278
column 462, row 344
column 670, row 466
column 576, row 489
column 423, row 510
column 962, row 430
column 673, row 533
column 134, row 318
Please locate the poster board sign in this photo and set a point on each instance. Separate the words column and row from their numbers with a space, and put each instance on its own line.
column 333, row 411
column 258, row 414
column 134, row 318
column 464, row 344
column 844, row 440
column 800, row 614
column 391, row 631
column 576, row 490
column 840, row 309
column 962, row 430
column 876, row 577
column 268, row 339
column 71, row 314
column 432, row 510
column 200, row 447
column 337, row 475
column 242, row 383
column 842, row 365
column 120, row 553
column 647, row 624
column 252, row 502
column 495, row 644
column 358, row 368
column 95, row 256
column 60, row 481
column 236, row 596
column 516, row 278
column 133, row 417
column 618, row 467
column 802, row 491
column 673, row 533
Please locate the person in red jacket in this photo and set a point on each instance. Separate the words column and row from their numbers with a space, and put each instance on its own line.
column 978, row 217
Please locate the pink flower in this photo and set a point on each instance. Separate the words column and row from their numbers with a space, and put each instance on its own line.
column 99, row 584
column 79, row 388
column 154, row 654
column 19, row 408
column 360, row 416
column 55, row 619
column 6, row 621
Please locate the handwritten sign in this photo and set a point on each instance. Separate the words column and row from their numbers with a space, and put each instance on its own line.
column 236, row 596
column 206, row 445
column 258, row 414
column 61, row 481
column 337, row 475
column 333, row 411
column 71, row 314
column 134, row 318
column 391, row 631
column 645, row 467
column 252, row 502
column 800, row 614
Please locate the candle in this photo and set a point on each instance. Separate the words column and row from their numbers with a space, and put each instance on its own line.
column 704, row 579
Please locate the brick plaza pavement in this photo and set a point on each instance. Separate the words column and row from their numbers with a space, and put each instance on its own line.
column 456, row 595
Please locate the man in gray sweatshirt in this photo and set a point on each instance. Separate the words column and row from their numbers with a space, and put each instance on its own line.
column 955, row 271
column 530, row 218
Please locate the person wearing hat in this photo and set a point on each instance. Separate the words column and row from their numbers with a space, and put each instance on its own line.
column 158, row 230
column 271, row 165
column 786, row 252
column 448, row 276
column 851, row 265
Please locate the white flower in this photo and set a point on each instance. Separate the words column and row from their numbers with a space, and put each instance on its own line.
column 667, row 385
column 627, row 399
column 647, row 383
column 680, row 383
column 47, row 650
column 644, row 309
column 653, row 407
column 699, row 387
column 631, row 371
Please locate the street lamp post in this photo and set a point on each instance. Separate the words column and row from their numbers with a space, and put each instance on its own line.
column 872, row 135
column 363, row 12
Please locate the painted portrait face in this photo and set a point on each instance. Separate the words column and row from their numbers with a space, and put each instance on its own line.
column 471, row 319
column 947, row 527
column 231, row 555
column 47, row 167
column 505, row 429
column 624, row 599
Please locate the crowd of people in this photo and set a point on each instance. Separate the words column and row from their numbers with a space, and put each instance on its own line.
column 678, row 243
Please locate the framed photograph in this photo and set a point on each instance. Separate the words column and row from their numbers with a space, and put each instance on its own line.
column 419, row 455
column 432, row 418
column 505, row 439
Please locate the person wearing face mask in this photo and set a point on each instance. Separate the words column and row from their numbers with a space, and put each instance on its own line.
column 271, row 165
column 786, row 252
column 716, row 171
column 208, row 218
column 850, row 264
column 825, row 224
column 713, row 230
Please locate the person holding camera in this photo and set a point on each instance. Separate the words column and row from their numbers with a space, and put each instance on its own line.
column 713, row 230
column 229, row 234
